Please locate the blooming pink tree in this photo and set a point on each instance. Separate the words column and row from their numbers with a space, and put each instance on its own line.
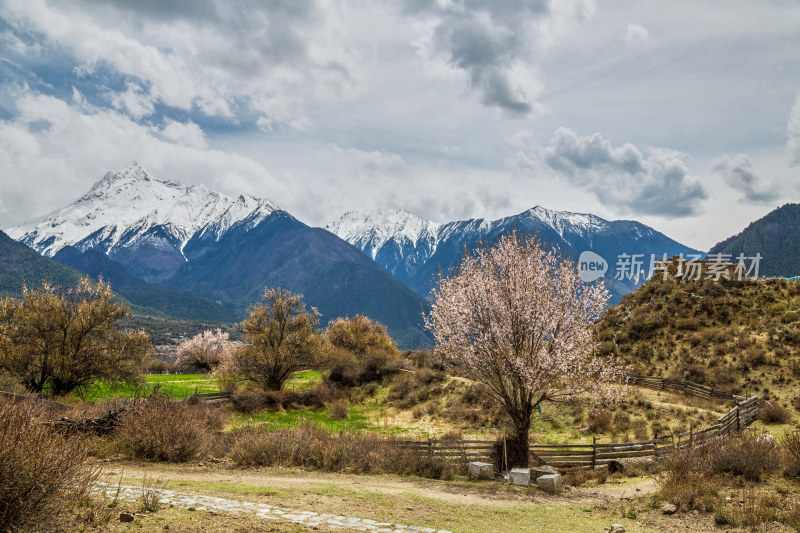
column 517, row 318
column 205, row 350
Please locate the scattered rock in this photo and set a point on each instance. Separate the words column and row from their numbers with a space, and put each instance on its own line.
column 479, row 470
column 669, row 508
column 539, row 471
column 125, row 517
column 520, row 477
column 617, row 528
column 550, row 483
column 410, row 508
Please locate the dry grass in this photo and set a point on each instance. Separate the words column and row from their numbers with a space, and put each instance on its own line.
column 163, row 430
column 43, row 472
column 310, row 447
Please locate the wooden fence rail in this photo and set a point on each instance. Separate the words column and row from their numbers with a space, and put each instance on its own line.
column 600, row 455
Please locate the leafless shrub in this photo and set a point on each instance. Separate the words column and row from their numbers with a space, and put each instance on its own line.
column 338, row 410
column 42, row 472
column 162, row 430
column 774, row 413
column 310, row 447
column 598, row 420
column 746, row 454
column 790, row 447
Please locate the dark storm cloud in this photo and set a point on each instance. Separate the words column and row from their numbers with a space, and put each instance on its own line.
column 624, row 178
column 739, row 174
column 489, row 41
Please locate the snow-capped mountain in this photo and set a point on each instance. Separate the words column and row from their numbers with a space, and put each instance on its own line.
column 415, row 250
column 149, row 225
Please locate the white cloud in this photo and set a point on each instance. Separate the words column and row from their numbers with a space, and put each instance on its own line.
column 739, row 174
column 184, row 134
column 60, row 162
column 793, row 131
column 207, row 58
column 623, row 178
column 636, row 35
column 135, row 101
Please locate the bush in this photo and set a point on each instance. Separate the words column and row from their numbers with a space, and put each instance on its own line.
column 311, row 447
column 351, row 369
column 598, row 420
column 43, row 472
column 790, row 448
column 685, row 481
column 338, row 410
column 774, row 413
column 746, row 455
column 162, row 430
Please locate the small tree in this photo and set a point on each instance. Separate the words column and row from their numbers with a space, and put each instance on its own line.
column 517, row 318
column 204, row 351
column 280, row 338
column 359, row 334
column 62, row 340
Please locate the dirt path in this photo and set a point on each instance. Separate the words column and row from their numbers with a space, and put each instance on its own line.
column 302, row 484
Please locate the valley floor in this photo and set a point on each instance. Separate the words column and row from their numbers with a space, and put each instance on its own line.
column 458, row 506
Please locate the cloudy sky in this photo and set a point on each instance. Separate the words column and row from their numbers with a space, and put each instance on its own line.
column 681, row 114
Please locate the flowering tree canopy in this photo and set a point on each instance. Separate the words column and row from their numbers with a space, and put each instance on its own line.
column 205, row 350
column 517, row 318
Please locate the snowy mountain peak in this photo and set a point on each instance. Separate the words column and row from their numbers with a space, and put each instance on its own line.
column 374, row 228
column 124, row 208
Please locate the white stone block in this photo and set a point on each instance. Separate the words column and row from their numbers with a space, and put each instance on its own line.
column 479, row 470
column 520, row 477
column 550, row 483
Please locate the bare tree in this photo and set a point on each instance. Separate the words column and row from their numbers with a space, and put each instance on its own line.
column 517, row 318
column 59, row 340
column 280, row 338
column 204, row 351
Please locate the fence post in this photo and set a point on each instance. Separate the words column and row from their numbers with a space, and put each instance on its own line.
column 594, row 452
column 691, row 437
column 737, row 418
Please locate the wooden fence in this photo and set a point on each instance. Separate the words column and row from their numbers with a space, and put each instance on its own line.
column 460, row 451
column 685, row 387
column 588, row 456
column 597, row 454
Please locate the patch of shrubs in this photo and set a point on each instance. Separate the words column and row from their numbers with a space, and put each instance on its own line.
column 773, row 413
column 309, row 447
column 251, row 401
column 163, row 430
column 598, row 420
column 43, row 472
column 351, row 370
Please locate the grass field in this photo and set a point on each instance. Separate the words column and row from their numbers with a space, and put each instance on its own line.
column 179, row 386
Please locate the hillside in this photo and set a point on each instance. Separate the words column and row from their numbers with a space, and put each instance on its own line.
column 776, row 237
column 168, row 300
column 20, row 266
column 732, row 335
column 333, row 276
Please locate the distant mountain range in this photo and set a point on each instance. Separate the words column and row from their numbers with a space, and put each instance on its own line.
column 164, row 241
column 190, row 252
column 775, row 236
column 415, row 250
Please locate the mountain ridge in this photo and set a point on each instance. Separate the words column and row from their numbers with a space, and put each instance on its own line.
column 416, row 252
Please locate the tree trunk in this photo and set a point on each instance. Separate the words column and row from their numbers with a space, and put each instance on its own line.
column 517, row 445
